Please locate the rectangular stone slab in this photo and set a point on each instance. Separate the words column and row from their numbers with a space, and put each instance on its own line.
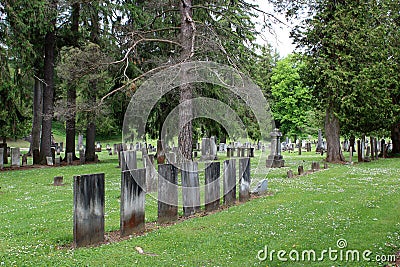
column 190, row 188
column 212, row 186
column 132, row 206
column 244, row 184
column 229, row 182
column 88, row 209
column 15, row 157
column 167, row 193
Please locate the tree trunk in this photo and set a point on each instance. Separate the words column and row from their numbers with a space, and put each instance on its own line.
column 395, row 135
column 48, row 92
column 185, row 107
column 70, row 124
column 332, row 132
column 91, row 125
column 70, row 129
column 36, row 121
column 90, row 154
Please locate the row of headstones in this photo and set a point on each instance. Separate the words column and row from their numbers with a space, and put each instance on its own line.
column 315, row 166
column 307, row 145
column 15, row 155
column 367, row 150
column 89, row 195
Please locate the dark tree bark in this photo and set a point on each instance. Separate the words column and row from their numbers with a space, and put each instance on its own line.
column 395, row 135
column 70, row 124
column 186, row 94
column 332, row 132
column 36, row 121
column 48, row 92
column 90, row 153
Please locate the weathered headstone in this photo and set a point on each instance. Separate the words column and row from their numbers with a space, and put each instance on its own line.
column 251, row 152
column 212, row 186
column 82, row 157
column 80, row 141
column 261, row 188
column 88, row 209
column 244, row 181
column 132, row 206
column 128, row 160
column 49, row 161
column 289, row 174
column 207, row 149
column 325, row 166
column 15, row 157
column 190, row 188
column 151, row 175
column 98, row 147
column 367, row 157
column 167, row 193
column 300, row 170
column 58, row 181
column 70, row 156
column 229, row 182
column 1, row 158
column 221, row 147
column 363, row 147
column 315, row 166
column 320, row 145
column 5, row 157
column 57, row 161
column 275, row 159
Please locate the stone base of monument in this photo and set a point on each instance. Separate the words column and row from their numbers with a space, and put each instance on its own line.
column 275, row 161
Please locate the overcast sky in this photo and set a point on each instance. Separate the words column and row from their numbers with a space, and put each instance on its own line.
column 280, row 40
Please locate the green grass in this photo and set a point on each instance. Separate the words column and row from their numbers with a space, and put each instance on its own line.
column 359, row 203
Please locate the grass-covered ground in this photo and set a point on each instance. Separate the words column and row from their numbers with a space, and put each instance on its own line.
column 357, row 203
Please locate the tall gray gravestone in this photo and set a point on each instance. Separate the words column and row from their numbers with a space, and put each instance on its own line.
column 229, row 182
column 151, row 175
column 244, row 182
column 132, row 206
column 15, row 157
column 320, row 145
column 128, row 160
column 70, row 159
column 275, row 159
column 190, row 188
column 88, row 209
column 167, row 193
column 212, row 186
column 1, row 158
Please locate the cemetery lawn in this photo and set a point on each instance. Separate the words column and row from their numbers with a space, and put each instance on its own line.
column 357, row 203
